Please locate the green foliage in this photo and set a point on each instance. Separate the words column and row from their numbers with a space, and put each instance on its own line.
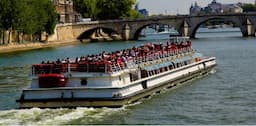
column 106, row 9
column 46, row 16
column 6, row 16
column 249, row 8
column 114, row 9
column 52, row 18
column 134, row 14
column 28, row 16
column 26, row 21
column 87, row 8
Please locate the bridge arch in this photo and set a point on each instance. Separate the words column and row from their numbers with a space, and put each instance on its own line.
column 235, row 22
column 139, row 29
column 129, row 29
column 93, row 33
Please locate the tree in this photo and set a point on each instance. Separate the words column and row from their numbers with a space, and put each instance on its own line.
column 92, row 10
column 87, row 8
column 1, row 35
column 249, row 8
column 44, row 17
column 25, row 22
column 106, row 9
column 114, row 9
column 6, row 17
column 127, row 9
column 52, row 18
column 27, row 17
column 80, row 6
column 134, row 14
column 47, row 17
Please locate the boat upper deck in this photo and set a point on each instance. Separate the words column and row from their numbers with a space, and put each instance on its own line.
column 110, row 62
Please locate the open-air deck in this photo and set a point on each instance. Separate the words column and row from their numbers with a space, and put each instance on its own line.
column 115, row 61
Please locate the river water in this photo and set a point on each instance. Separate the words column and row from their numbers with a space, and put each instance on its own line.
column 225, row 97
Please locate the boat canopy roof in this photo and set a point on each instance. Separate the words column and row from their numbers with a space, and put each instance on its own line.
column 178, row 39
column 197, row 55
column 168, row 63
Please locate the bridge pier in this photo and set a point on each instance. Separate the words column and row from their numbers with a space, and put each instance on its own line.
column 126, row 33
column 129, row 29
column 184, row 31
column 248, row 29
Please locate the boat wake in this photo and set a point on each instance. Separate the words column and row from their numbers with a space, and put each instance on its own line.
column 62, row 116
column 213, row 71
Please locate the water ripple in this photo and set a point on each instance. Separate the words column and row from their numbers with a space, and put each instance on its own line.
column 225, row 97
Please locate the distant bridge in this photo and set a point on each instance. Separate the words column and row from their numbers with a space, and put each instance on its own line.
column 129, row 29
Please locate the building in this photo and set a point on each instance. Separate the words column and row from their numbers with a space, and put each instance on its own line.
column 232, row 8
column 195, row 9
column 215, row 8
column 66, row 11
column 144, row 12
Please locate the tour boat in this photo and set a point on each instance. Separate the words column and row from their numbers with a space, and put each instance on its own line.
column 114, row 79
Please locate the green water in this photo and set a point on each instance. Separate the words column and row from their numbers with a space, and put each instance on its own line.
column 225, row 97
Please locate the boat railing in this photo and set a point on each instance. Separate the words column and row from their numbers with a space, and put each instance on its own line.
column 49, row 68
column 160, row 54
column 106, row 66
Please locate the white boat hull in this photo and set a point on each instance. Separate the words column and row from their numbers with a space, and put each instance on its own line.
column 114, row 96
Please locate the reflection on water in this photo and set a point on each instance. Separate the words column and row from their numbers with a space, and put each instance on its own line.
column 225, row 97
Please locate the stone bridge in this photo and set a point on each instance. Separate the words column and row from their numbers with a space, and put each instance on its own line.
column 129, row 29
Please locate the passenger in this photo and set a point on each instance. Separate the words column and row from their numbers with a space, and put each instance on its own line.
column 189, row 44
column 77, row 60
column 147, row 52
column 68, row 60
column 63, row 61
column 58, row 61
column 90, row 59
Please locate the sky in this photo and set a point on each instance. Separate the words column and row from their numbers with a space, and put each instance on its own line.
column 178, row 6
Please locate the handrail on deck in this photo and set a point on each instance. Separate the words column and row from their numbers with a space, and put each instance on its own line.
column 105, row 66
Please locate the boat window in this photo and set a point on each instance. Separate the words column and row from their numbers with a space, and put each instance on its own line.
column 186, row 62
column 174, row 65
column 134, row 76
column 120, row 78
column 170, row 67
column 178, row 65
column 144, row 84
column 149, row 73
column 84, row 81
column 144, row 74
column 166, row 68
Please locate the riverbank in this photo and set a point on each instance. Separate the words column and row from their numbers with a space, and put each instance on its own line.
column 14, row 47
